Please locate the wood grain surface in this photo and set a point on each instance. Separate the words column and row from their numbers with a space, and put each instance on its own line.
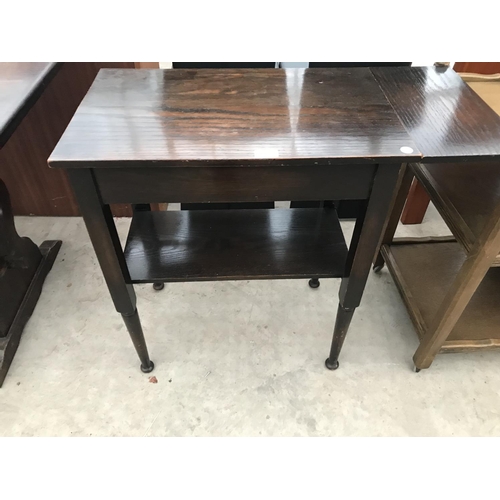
column 232, row 117
column 198, row 245
column 443, row 115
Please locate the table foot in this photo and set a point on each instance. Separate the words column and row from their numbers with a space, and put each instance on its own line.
column 158, row 285
column 148, row 369
column 379, row 268
column 9, row 343
column 342, row 323
column 314, row 283
column 330, row 365
column 134, row 327
column 417, row 369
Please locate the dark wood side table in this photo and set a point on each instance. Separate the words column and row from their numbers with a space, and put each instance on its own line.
column 450, row 291
column 23, row 265
column 191, row 136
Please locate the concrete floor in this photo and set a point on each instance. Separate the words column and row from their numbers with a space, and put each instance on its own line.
column 232, row 359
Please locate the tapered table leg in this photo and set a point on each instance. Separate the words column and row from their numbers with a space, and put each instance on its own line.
column 134, row 327
column 102, row 232
column 366, row 238
column 342, row 323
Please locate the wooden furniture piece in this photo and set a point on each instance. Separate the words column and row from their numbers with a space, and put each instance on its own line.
column 418, row 199
column 450, row 287
column 346, row 209
column 34, row 189
column 23, row 266
column 219, row 206
column 224, row 66
column 234, row 136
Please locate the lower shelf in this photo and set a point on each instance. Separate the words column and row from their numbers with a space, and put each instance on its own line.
column 205, row 245
column 424, row 271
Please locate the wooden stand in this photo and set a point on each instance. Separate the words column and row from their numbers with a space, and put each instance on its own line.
column 451, row 286
column 23, row 268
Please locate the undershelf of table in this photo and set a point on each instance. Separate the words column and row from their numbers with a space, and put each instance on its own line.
column 423, row 272
column 238, row 244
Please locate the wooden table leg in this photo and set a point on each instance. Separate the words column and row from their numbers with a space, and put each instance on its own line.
column 404, row 182
column 364, row 245
column 146, row 207
column 102, row 231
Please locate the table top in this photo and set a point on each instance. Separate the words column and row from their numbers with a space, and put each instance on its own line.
column 233, row 117
column 444, row 116
column 20, row 86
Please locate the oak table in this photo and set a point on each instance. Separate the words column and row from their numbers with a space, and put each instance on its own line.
column 451, row 286
column 146, row 136
column 23, row 265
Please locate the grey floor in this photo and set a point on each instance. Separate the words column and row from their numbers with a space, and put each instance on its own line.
column 232, row 359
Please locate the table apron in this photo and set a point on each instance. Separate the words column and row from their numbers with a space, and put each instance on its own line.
column 234, row 184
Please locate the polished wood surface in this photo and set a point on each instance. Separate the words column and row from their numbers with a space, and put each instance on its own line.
column 444, row 116
column 200, row 245
column 20, row 85
column 226, row 65
column 488, row 89
column 154, row 118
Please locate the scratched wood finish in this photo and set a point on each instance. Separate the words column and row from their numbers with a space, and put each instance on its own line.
column 20, row 85
column 443, row 115
column 199, row 245
column 154, row 118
